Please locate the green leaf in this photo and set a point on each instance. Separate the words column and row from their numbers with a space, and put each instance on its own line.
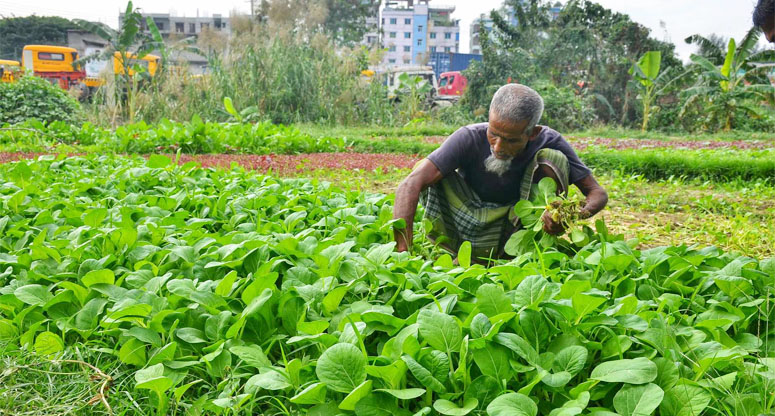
column 342, row 367
column 684, row 400
column 446, row 407
column 158, row 161
column 132, row 352
column 440, row 330
column 640, row 400
column 493, row 361
column 633, row 371
column 571, row 359
column 424, row 376
column 98, row 276
column 252, row 355
column 530, row 291
column 94, row 217
column 269, row 380
column 464, row 254
column 377, row 404
column 404, row 394
column 353, row 398
column 512, row 404
column 518, row 344
column 35, row 295
column 152, row 378
column 48, row 343
column 492, row 300
column 313, row 394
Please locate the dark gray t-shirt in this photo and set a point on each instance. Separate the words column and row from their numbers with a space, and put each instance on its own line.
column 467, row 148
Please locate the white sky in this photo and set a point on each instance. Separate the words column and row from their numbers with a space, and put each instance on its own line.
column 682, row 18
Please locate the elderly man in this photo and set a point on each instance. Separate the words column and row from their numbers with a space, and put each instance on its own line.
column 764, row 18
column 471, row 183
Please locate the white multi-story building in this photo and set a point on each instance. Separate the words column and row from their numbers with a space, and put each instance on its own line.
column 410, row 32
column 169, row 24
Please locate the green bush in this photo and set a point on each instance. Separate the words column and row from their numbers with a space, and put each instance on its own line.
column 563, row 108
column 35, row 98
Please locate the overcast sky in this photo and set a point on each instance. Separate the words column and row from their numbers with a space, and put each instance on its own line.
column 681, row 18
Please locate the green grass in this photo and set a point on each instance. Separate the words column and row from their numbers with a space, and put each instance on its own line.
column 618, row 132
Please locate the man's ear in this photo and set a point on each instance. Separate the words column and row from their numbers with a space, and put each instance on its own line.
column 536, row 131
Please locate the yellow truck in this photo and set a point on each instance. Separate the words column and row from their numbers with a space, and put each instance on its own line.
column 9, row 70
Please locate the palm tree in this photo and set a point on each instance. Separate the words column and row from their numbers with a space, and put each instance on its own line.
column 734, row 86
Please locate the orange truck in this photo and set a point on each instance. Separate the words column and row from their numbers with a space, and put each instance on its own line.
column 9, row 70
column 54, row 63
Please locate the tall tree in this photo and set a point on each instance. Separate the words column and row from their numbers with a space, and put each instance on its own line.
column 16, row 32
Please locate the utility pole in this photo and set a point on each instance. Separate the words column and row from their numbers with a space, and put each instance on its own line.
column 252, row 10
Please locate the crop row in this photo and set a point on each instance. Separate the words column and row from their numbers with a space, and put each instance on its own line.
column 717, row 160
column 232, row 290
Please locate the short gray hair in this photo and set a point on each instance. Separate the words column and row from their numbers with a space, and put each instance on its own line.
column 516, row 103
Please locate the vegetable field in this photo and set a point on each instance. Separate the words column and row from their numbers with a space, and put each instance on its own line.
column 188, row 290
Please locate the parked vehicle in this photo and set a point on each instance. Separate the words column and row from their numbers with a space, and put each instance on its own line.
column 54, row 63
column 95, row 70
column 442, row 62
column 9, row 70
column 452, row 83
column 391, row 78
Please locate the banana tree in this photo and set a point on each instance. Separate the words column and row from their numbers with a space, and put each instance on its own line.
column 735, row 85
column 129, row 36
column 646, row 72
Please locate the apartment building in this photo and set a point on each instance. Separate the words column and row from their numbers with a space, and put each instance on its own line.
column 182, row 26
column 412, row 30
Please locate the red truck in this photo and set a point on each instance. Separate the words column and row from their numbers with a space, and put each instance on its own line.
column 452, row 83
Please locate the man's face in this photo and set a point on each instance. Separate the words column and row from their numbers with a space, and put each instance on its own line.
column 769, row 30
column 507, row 139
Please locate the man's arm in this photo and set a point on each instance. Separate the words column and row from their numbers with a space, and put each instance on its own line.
column 407, row 197
column 597, row 197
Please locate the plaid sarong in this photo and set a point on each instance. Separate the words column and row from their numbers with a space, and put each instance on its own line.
column 457, row 213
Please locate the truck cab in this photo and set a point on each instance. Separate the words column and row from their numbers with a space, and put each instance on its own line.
column 54, row 63
column 392, row 78
column 452, row 83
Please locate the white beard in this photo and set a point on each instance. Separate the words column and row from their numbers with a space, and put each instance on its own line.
column 497, row 166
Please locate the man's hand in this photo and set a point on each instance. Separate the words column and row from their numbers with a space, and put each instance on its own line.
column 550, row 226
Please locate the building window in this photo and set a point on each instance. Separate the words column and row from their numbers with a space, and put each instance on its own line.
column 391, row 61
column 407, row 48
column 192, row 27
column 447, row 35
column 433, row 49
column 457, row 37
column 392, row 34
column 447, row 49
column 433, row 35
column 383, row 21
column 419, row 28
column 407, row 21
column 393, row 20
column 160, row 25
column 179, row 27
column 419, row 42
column 407, row 61
column 407, row 35
column 392, row 48
column 205, row 25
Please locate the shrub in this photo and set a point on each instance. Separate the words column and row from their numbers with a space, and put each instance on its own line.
column 35, row 98
column 563, row 108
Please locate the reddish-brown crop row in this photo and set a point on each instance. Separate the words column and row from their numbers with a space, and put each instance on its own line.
column 284, row 164
column 581, row 143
